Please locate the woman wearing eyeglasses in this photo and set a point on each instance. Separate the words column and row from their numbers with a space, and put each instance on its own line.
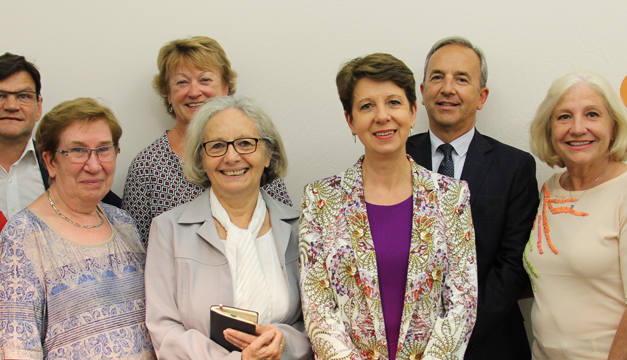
column 71, row 267
column 233, row 245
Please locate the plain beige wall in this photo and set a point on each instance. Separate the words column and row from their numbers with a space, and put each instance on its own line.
column 288, row 52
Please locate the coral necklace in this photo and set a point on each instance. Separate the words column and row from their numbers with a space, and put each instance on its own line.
column 72, row 222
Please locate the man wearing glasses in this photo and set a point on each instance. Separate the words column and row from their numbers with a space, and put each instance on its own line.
column 22, row 177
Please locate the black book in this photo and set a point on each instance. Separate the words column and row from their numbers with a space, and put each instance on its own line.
column 226, row 317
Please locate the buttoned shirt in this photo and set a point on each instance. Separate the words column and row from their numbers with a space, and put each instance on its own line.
column 22, row 184
column 460, row 149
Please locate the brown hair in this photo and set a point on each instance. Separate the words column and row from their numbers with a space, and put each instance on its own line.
column 379, row 66
column 11, row 64
column 67, row 113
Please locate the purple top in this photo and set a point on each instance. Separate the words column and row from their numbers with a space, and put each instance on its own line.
column 390, row 227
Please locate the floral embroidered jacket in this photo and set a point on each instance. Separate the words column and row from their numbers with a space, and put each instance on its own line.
column 338, row 270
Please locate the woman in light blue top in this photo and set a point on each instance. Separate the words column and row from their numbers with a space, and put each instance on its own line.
column 71, row 267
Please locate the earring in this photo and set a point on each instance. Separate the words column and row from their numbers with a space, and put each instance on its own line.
column 170, row 109
column 411, row 130
column 355, row 138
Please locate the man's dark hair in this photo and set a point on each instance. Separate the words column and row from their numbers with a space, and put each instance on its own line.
column 11, row 64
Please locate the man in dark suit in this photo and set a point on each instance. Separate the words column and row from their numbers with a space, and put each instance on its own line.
column 503, row 191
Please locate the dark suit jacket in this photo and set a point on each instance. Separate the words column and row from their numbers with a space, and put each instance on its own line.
column 111, row 198
column 503, row 200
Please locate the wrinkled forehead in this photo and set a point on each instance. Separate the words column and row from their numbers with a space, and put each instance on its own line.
column 84, row 132
column 230, row 124
column 455, row 57
column 583, row 90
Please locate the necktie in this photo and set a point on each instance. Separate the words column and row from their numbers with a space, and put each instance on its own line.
column 446, row 166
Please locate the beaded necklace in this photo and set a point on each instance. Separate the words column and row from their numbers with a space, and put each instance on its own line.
column 72, row 222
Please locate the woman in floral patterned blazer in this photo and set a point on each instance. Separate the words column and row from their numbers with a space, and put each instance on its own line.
column 387, row 250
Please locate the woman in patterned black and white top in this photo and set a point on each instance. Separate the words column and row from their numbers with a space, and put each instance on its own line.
column 191, row 71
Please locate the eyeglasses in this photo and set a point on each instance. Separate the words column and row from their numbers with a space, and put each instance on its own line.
column 23, row 97
column 217, row 148
column 80, row 155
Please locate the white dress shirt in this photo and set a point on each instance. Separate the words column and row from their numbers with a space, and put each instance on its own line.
column 460, row 150
column 22, row 184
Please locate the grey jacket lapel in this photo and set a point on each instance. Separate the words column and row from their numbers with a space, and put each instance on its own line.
column 199, row 211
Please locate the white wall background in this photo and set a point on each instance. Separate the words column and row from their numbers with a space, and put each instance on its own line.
column 287, row 54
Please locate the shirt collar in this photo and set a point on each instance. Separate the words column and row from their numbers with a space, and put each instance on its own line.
column 460, row 145
column 29, row 150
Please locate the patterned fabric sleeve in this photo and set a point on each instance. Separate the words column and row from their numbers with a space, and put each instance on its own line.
column 452, row 329
column 137, row 198
column 328, row 335
column 21, row 295
column 278, row 191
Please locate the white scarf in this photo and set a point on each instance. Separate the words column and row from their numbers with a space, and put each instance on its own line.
column 251, row 291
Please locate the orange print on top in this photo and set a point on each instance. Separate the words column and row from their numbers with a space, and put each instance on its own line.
column 543, row 222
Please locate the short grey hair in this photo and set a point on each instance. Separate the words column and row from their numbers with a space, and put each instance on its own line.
column 541, row 132
column 461, row 41
column 194, row 152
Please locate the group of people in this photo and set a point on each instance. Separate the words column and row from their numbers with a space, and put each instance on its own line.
column 389, row 259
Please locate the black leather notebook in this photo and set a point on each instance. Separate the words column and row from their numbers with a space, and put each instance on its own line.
column 227, row 317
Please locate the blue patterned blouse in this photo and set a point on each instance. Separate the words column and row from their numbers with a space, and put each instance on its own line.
column 62, row 300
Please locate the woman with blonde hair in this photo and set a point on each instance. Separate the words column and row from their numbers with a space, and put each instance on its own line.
column 577, row 253
column 191, row 71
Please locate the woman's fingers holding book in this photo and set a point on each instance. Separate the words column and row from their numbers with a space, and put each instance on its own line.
column 238, row 338
column 258, row 348
column 269, row 345
column 260, row 329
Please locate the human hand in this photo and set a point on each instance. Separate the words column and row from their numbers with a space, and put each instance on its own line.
column 269, row 343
